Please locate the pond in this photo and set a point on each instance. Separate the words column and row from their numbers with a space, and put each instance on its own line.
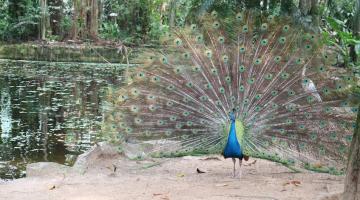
column 50, row 111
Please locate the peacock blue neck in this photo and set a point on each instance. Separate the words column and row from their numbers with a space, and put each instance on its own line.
column 233, row 148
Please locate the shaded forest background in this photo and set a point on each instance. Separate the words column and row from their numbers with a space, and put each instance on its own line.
column 138, row 22
column 143, row 21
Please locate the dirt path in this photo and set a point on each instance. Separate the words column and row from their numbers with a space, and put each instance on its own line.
column 175, row 178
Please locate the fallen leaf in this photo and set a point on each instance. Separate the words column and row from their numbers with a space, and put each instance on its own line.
column 180, row 175
column 296, row 183
column 318, row 165
column 287, row 183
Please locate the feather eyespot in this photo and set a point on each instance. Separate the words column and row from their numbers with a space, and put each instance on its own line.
column 228, row 79
column 286, row 28
column 214, row 14
column 257, row 61
column 239, row 17
column 264, row 42
column 241, row 88
column 264, row 27
column 178, row 42
column 225, row 58
column 193, row 27
column 241, row 68
column 242, row 49
column 282, row 40
column 222, row 90
column 268, row 76
column 245, row 29
column 221, row 40
column 277, row 59
column 216, row 25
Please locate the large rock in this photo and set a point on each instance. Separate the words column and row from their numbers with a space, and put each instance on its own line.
column 46, row 169
column 97, row 155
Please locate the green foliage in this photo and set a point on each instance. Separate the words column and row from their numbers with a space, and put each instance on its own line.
column 126, row 20
column 337, row 34
column 143, row 21
column 224, row 8
column 342, row 10
column 65, row 24
column 110, row 30
column 157, row 26
column 18, row 19
column 4, row 19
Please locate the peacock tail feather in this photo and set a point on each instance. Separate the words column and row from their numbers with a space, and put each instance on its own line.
column 279, row 78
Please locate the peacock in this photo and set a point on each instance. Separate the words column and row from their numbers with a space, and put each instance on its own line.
column 250, row 85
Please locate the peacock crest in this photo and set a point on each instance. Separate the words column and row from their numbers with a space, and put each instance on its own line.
column 279, row 79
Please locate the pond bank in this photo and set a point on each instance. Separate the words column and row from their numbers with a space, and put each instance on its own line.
column 103, row 174
column 70, row 52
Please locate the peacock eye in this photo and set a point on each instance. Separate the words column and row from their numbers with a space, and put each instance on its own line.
column 241, row 88
column 214, row 14
column 277, row 58
column 228, row 79
column 258, row 61
column 239, row 17
column 286, row 28
column 222, row 90
column 274, row 93
column 282, row 40
column 264, row 42
column 264, row 27
column 245, row 29
column 221, row 39
column 216, row 25
column 193, row 26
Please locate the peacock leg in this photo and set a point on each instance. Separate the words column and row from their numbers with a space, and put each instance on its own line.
column 234, row 161
column 240, row 163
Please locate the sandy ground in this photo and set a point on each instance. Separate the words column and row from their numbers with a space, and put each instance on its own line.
column 176, row 178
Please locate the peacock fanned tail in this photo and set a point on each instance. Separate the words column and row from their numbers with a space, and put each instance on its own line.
column 279, row 78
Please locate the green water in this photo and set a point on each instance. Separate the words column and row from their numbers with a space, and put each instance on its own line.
column 50, row 111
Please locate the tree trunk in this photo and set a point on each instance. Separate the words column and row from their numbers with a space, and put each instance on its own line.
column 43, row 19
column 85, row 19
column 286, row 6
column 56, row 10
column 305, row 6
column 353, row 167
column 172, row 13
column 74, row 26
column 273, row 4
column 265, row 4
column 310, row 7
column 356, row 31
column 94, row 24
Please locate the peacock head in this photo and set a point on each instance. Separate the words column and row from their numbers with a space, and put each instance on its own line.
column 232, row 115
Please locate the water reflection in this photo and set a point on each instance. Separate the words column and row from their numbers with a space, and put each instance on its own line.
column 5, row 115
column 49, row 111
